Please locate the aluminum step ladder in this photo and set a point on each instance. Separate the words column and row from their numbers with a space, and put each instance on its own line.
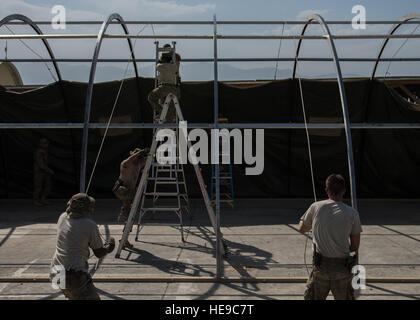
column 181, row 178
column 172, row 177
column 227, row 194
column 141, row 190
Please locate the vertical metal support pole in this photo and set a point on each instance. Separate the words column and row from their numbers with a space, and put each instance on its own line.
column 85, row 136
column 156, row 62
column 219, row 267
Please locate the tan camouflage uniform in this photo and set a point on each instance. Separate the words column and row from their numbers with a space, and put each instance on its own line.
column 125, row 187
column 332, row 224
column 126, row 196
column 79, row 284
column 168, row 82
column 332, row 275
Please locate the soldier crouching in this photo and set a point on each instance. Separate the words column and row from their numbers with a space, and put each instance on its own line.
column 76, row 233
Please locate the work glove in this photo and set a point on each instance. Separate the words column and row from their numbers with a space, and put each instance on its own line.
column 110, row 245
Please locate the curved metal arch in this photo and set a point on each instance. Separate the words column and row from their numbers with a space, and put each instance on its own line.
column 347, row 130
column 89, row 92
column 28, row 21
column 38, row 31
column 391, row 32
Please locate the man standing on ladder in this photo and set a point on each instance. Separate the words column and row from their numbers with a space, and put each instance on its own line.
column 168, row 81
column 334, row 224
column 125, row 187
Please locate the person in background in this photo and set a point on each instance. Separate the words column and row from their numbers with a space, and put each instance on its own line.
column 336, row 232
column 42, row 174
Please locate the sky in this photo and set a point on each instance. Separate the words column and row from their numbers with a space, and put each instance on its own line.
column 204, row 10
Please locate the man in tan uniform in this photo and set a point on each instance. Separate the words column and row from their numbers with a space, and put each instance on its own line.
column 336, row 231
column 169, row 81
column 76, row 234
column 125, row 187
column 42, row 174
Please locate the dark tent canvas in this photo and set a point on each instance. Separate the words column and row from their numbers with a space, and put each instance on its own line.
column 386, row 160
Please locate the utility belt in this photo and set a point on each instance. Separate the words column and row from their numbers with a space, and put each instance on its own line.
column 349, row 262
column 77, row 272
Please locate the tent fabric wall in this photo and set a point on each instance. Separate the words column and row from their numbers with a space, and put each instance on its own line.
column 386, row 161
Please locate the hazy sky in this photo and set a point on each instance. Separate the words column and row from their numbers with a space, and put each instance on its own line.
column 204, row 10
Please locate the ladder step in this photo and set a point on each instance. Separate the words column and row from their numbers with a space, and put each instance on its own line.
column 156, row 164
column 166, row 182
column 160, row 224
column 161, row 209
column 164, row 194
column 161, row 179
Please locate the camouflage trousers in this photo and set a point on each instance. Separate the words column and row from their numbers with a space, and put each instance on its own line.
column 42, row 185
column 79, row 286
column 328, row 277
column 126, row 196
column 157, row 97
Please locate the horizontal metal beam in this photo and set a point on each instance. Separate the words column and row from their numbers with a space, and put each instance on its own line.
column 335, row 37
column 208, row 22
column 211, row 125
column 222, row 37
column 109, row 36
column 219, row 60
column 192, row 279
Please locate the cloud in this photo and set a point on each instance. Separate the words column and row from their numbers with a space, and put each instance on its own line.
column 150, row 8
column 99, row 9
column 38, row 12
column 305, row 13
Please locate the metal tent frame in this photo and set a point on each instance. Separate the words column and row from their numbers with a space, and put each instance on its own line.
column 89, row 92
column 117, row 19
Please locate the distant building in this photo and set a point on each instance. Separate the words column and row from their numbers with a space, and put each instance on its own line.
column 9, row 75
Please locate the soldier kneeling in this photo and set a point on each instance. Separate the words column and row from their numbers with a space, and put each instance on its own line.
column 76, row 233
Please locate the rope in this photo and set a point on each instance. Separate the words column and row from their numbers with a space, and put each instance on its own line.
column 107, row 128
column 398, row 50
column 278, row 54
column 153, row 31
column 308, row 141
column 112, row 113
column 33, row 51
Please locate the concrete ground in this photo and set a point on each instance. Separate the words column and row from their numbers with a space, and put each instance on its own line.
column 261, row 236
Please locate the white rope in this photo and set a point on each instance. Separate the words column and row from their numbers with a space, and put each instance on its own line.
column 153, row 31
column 307, row 138
column 308, row 141
column 398, row 50
column 112, row 112
column 33, row 51
column 278, row 53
